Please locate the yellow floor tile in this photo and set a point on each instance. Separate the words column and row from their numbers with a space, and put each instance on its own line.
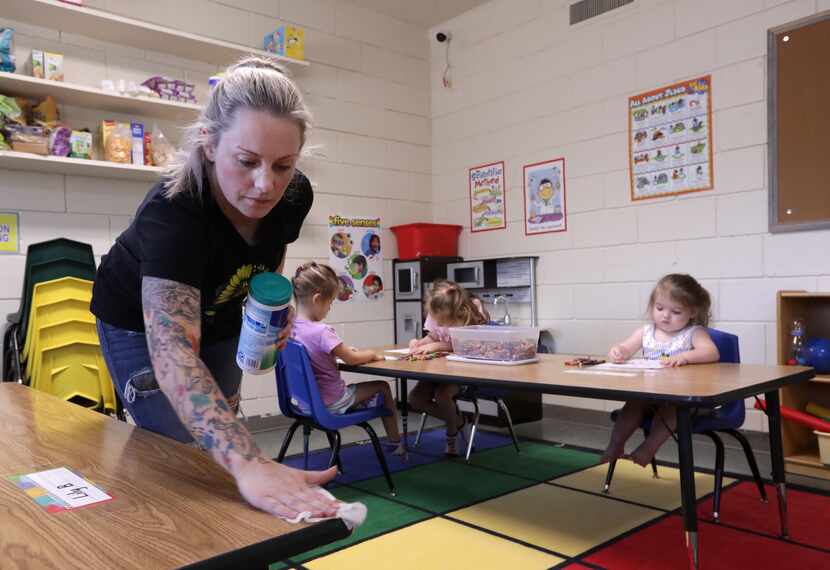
column 565, row 521
column 436, row 544
column 634, row 483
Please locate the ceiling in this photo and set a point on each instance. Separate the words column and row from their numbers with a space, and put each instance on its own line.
column 426, row 13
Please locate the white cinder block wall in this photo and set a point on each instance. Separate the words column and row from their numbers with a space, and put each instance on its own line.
column 529, row 87
column 367, row 87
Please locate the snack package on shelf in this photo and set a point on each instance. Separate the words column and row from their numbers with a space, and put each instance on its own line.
column 119, row 144
column 7, row 50
column 163, row 151
column 10, row 111
column 286, row 40
column 53, row 64
column 80, row 144
column 29, row 139
column 148, row 146
column 59, row 141
column 38, row 64
column 137, row 134
column 171, row 89
column 46, row 113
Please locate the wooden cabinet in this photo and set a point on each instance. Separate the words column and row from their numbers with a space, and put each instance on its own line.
column 800, row 443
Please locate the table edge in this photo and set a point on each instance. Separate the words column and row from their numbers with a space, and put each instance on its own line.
column 587, row 392
column 275, row 549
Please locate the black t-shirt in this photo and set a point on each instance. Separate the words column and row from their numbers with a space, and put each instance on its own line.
column 188, row 239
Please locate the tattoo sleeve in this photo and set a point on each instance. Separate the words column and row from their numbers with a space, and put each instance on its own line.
column 172, row 319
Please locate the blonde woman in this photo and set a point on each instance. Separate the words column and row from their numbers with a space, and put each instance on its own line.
column 168, row 295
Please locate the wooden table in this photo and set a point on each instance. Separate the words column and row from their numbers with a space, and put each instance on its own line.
column 172, row 507
column 687, row 387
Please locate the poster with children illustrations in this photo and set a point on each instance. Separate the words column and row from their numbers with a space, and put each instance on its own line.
column 355, row 254
column 544, row 196
column 670, row 139
column 487, row 204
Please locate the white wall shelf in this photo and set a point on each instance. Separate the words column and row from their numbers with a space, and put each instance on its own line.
column 108, row 27
column 64, row 93
column 12, row 160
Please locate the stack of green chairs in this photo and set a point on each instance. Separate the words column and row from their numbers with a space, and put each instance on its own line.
column 51, row 343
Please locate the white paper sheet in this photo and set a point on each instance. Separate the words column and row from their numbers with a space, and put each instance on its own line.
column 633, row 364
column 72, row 490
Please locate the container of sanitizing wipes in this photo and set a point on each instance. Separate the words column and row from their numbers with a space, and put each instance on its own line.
column 264, row 316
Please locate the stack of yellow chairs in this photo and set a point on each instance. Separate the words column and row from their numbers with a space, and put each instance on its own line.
column 60, row 351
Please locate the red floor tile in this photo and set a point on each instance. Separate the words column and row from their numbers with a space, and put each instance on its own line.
column 741, row 506
column 661, row 547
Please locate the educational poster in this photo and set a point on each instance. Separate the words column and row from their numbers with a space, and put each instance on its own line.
column 355, row 255
column 9, row 232
column 487, row 202
column 544, row 196
column 670, row 139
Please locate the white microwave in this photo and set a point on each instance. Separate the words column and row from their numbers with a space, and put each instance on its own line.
column 468, row 274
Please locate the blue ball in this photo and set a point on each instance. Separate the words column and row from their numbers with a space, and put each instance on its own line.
column 816, row 353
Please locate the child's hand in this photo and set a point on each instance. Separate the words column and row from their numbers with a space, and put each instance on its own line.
column 616, row 355
column 674, row 361
column 378, row 357
column 418, row 349
column 413, row 344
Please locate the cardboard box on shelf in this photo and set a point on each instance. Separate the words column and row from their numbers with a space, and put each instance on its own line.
column 53, row 64
column 38, row 64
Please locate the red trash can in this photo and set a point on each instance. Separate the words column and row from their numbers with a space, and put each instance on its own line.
column 426, row 240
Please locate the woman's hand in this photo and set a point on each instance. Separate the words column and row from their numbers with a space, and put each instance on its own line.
column 285, row 333
column 378, row 358
column 284, row 491
column 616, row 355
column 675, row 361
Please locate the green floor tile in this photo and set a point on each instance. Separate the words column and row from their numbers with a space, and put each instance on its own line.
column 445, row 486
column 383, row 516
column 536, row 461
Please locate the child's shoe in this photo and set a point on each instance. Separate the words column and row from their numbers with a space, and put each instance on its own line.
column 394, row 447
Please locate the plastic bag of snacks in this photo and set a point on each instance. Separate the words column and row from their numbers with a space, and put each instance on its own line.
column 46, row 113
column 7, row 50
column 59, row 144
column 119, row 146
column 163, row 151
column 10, row 111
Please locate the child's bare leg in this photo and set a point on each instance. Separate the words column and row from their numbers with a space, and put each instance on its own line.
column 661, row 430
column 627, row 422
column 366, row 390
column 445, row 401
column 421, row 398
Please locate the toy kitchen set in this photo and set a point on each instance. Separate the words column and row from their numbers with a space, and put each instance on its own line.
column 506, row 287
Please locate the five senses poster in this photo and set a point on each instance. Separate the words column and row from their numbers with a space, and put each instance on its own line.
column 356, row 255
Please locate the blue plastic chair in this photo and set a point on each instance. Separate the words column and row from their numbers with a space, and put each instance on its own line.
column 724, row 419
column 299, row 399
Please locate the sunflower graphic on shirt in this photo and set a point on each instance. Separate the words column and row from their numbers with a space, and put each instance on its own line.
column 236, row 286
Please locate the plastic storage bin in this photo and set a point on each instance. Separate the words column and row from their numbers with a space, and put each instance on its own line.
column 495, row 343
column 823, row 446
column 426, row 240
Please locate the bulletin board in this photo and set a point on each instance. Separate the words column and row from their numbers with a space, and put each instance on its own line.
column 799, row 125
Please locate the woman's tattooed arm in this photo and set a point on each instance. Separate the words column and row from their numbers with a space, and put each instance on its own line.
column 172, row 319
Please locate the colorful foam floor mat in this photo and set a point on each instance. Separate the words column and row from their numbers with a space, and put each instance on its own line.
column 543, row 509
